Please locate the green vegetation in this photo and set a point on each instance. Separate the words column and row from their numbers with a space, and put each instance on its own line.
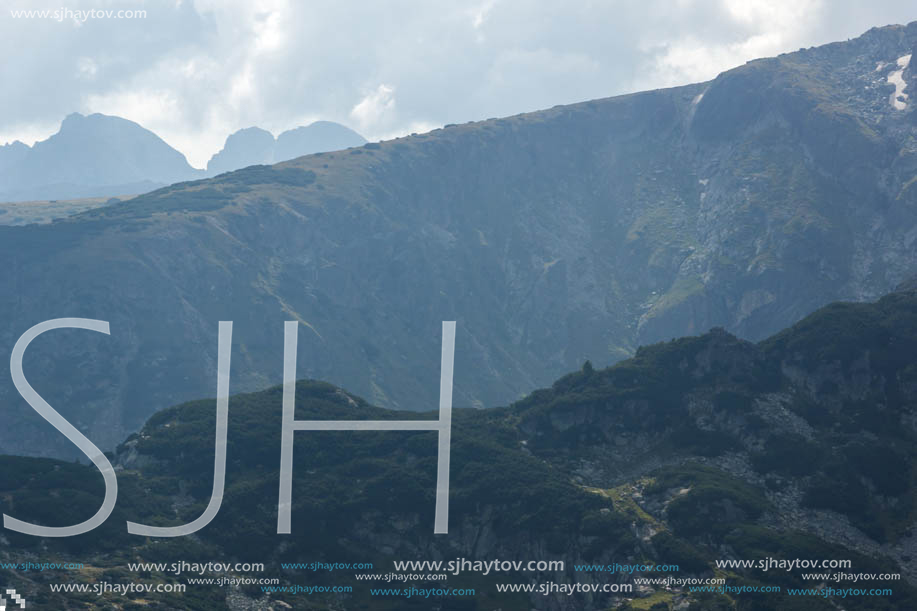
column 710, row 502
column 672, row 550
column 518, row 472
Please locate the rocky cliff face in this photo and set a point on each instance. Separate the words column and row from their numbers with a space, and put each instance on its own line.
column 577, row 232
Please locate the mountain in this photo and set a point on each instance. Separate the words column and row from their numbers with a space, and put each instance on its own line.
column 101, row 156
column 94, row 155
column 575, row 233
column 317, row 137
column 697, row 450
column 249, row 146
column 12, row 154
column 255, row 146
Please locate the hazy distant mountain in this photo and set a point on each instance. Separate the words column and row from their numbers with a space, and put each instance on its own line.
column 577, row 232
column 318, row 137
column 249, row 146
column 100, row 155
column 254, row 146
column 93, row 155
column 11, row 155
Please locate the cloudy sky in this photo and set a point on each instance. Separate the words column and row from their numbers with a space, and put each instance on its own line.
column 194, row 71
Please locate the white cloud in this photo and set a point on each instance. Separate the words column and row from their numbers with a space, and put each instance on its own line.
column 765, row 28
column 193, row 72
column 375, row 109
column 268, row 29
column 87, row 67
column 480, row 12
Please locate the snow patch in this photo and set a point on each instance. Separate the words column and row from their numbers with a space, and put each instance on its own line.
column 899, row 99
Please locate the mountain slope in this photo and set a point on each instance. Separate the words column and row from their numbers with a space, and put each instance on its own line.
column 702, row 449
column 577, row 232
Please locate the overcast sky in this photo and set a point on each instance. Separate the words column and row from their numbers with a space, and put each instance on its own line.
column 195, row 71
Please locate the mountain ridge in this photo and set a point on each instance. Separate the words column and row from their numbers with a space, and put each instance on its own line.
column 104, row 155
column 574, row 233
column 256, row 146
